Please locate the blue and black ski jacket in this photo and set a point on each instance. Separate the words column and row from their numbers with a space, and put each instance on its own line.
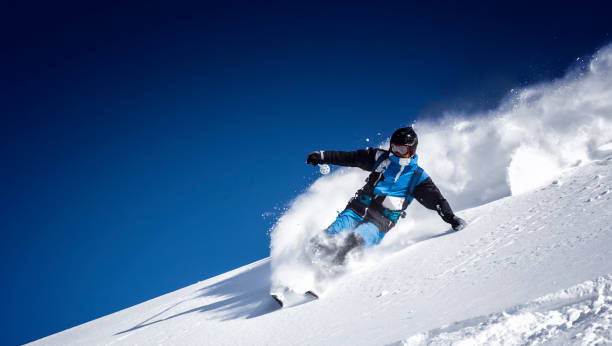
column 392, row 184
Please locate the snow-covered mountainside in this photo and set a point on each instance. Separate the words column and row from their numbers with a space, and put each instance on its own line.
column 529, row 268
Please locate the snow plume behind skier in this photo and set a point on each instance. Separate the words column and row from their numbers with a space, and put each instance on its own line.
column 308, row 215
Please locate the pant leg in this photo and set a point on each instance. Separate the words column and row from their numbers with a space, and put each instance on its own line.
column 346, row 221
column 370, row 233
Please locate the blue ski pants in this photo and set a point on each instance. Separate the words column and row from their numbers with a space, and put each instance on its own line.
column 349, row 221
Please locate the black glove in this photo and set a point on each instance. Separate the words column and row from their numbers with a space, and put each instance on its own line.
column 314, row 158
column 458, row 223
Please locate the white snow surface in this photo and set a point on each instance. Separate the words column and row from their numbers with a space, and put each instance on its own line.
column 529, row 269
column 533, row 179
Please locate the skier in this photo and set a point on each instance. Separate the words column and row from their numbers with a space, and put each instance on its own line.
column 395, row 180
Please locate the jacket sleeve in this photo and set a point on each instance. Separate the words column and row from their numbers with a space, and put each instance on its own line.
column 363, row 158
column 428, row 194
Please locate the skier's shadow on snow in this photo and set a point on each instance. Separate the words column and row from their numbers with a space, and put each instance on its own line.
column 433, row 236
column 246, row 295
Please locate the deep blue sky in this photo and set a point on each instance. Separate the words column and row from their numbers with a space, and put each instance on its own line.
column 141, row 144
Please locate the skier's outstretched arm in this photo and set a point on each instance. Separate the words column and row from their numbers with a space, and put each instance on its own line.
column 428, row 194
column 364, row 158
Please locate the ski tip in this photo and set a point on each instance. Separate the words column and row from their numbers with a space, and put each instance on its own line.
column 312, row 294
column 277, row 299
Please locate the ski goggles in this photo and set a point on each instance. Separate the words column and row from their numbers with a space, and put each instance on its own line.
column 401, row 149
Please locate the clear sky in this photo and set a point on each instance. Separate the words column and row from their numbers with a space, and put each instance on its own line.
column 145, row 147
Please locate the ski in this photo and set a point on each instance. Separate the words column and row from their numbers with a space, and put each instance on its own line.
column 277, row 299
column 289, row 298
column 312, row 294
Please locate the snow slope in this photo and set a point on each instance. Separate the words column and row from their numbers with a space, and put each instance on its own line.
column 529, row 268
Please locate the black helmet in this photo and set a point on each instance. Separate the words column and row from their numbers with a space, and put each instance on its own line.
column 405, row 137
